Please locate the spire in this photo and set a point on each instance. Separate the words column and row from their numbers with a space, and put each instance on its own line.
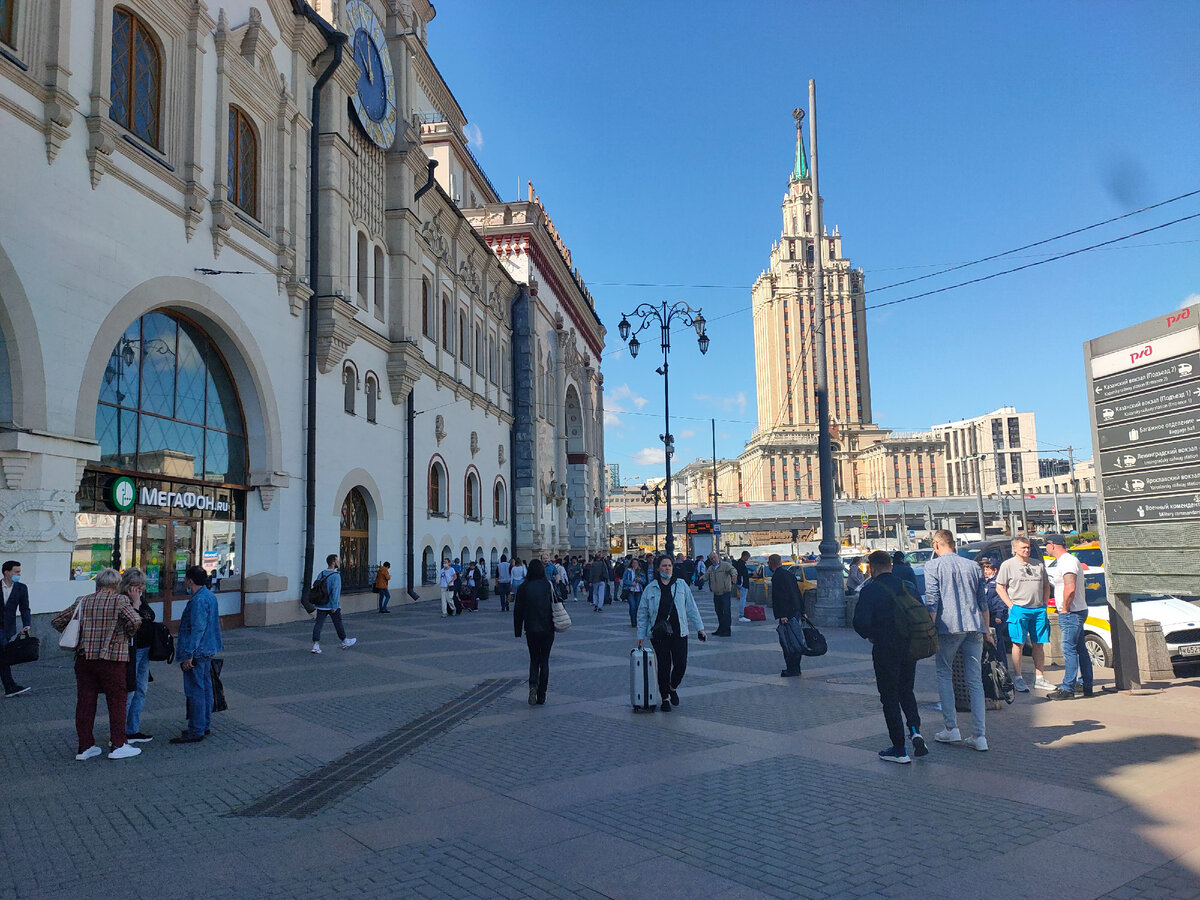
column 800, row 169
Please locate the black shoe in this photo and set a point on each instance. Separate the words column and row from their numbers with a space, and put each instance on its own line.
column 674, row 698
column 666, row 706
column 138, row 738
column 1088, row 692
column 541, row 701
column 187, row 738
column 788, row 673
column 894, row 754
column 919, row 748
column 532, row 696
column 1060, row 694
column 17, row 691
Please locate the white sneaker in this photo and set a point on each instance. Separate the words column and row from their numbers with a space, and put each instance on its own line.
column 743, row 619
column 348, row 643
column 124, row 752
column 978, row 742
column 949, row 736
column 316, row 648
column 1042, row 684
column 1020, row 685
column 90, row 753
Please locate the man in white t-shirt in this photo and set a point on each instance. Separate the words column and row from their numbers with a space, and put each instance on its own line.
column 1072, row 613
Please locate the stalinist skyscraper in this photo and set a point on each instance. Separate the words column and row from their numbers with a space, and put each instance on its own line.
column 780, row 460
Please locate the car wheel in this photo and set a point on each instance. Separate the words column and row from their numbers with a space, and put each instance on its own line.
column 1098, row 650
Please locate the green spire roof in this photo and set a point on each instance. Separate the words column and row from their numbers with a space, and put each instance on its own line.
column 800, row 170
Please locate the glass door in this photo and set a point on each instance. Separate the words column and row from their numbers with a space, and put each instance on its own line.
column 151, row 542
column 184, row 553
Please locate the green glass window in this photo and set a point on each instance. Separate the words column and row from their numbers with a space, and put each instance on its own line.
column 135, row 89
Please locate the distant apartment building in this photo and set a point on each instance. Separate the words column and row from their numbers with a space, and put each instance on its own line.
column 996, row 451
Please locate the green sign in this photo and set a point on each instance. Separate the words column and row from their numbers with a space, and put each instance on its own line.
column 123, row 494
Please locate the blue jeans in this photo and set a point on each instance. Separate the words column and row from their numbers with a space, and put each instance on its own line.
column 385, row 597
column 1076, row 660
column 197, row 688
column 635, row 600
column 336, row 616
column 743, row 593
column 972, row 654
column 137, row 698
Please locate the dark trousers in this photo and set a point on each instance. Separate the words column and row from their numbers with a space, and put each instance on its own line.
column 336, row 616
column 539, row 661
column 671, row 656
column 635, row 600
column 7, row 678
column 894, row 677
column 92, row 678
column 721, row 606
column 502, row 591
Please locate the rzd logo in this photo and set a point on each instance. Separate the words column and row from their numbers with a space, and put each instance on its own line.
column 1180, row 316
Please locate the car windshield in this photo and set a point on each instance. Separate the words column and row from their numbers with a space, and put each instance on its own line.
column 1091, row 557
column 968, row 552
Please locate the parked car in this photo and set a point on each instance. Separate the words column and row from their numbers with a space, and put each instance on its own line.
column 999, row 550
column 918, row 557
column 806, row 578
column 1180, row 622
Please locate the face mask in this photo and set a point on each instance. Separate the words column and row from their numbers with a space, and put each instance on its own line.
column 16, row 579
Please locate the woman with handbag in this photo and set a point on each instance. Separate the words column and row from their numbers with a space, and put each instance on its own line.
column 533, row 611
column 666, row 615
column 133, row 586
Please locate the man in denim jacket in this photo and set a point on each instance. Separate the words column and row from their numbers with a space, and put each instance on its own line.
column 198, row 642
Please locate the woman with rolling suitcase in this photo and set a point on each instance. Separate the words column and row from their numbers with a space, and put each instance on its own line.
column 666, row 615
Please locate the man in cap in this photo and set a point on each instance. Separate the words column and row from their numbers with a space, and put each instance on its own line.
column 1072, row 612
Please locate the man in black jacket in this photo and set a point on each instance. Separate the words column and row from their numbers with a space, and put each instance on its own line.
column 785, row 604
column 743, row 584
column 875, row 620
column 533, row 612
column 16, row 598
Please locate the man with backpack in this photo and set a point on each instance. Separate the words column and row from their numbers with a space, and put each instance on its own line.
column 327, row 598
column 883, row 617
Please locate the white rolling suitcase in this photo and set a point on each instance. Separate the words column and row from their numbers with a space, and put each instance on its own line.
column 643, row 680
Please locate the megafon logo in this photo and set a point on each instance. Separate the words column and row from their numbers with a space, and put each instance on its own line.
column 1146, row 351
column 1180, row 316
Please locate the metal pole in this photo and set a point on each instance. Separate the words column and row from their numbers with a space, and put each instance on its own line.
column 830, row 609
column 1021, row 479
column 625, row 522
column 903, row 527
column 1054, row 488
column 666, row 346
column 716, row 515
column 979, row 481
column 1075, row 490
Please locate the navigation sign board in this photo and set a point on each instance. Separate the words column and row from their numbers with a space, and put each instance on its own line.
column 1151, row 403
column 1157, row 481
column 1147, row 431
column 1157, row 375
column 1156, row 509
column 1169, row 453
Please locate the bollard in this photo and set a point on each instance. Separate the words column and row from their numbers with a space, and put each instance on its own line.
column 1154, row 662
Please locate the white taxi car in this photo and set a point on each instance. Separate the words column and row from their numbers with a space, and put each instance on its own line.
column 1180, row 622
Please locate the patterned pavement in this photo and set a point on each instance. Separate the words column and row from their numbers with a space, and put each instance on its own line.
column 755, row 786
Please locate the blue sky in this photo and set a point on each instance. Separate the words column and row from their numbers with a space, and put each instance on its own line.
column 660, row 137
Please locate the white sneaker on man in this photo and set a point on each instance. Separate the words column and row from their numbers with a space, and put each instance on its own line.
column 743, row 619
column 125, row 751
column 949, row 736
column 316, row 648
column 1020, row 685
column 90, row 753
column 1042, row 684
column 348, row 643
column 978, row 742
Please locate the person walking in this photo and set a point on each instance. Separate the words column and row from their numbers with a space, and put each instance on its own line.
column 382, row 577
column 198, row 642
column 133, row 586
column 743, row 584
column 895, row 673
column 856, row 578
column 598, row 576
column 107, row 620
column 902, row 570
column 666, row 615
column 955, row 598
column 633, row 583
column 722, row 577
column 520, row 572
column 997, row 609
column 332, row 606
column 1024, row 587
column 16, row 599
column 503, row 581
column 533, row 613
column 1071, row 603
column 446, row 578
column 786, row 603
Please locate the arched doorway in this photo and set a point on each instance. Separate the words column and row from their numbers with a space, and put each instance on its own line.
column 168, row 491
column 494, row 567
column 578, row 503
column 429, row 566
column 355, row 550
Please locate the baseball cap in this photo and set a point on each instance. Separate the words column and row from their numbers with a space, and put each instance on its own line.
column 1056, row 539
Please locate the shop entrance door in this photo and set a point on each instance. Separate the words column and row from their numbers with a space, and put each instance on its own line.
column 165, row 549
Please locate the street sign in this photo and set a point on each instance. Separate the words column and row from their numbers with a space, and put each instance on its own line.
column 864, row 519
column 1152, row 403
column 1153, row 509
column 1157, row 375
column 1146, row 431
column 1157, row 481
column 1174, row 453
column 716, row 527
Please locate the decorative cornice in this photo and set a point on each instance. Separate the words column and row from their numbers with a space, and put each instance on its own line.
column 335, row 331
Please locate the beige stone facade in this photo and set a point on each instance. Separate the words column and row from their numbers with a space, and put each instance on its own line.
column 998, row 448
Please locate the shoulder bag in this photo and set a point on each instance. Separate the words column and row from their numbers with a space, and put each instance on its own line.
column 562, row 619
column 662, row 628
column 69, row 640
column 24, row 648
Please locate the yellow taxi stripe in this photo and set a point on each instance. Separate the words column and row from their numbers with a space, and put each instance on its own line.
column 1099, row 623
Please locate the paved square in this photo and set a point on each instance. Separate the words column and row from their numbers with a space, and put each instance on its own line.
column 756, row 786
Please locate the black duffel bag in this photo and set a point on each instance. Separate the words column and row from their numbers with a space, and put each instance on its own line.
column 24, row 649
column 814, row 642
column 162, row 644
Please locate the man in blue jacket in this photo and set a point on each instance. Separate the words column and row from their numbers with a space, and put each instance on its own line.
column 198, row 642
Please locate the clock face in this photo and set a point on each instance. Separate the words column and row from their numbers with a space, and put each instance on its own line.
column 374, row 101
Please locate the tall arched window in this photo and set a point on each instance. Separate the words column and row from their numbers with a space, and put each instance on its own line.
column 364, row 270
column 480, row 358
column 356, row 540
column 437, row 489
column 6, row 21
column 463, row 346
column 471, row 496
column 372, row 397
column 499, row 503
column 379, row 282
column 135, row 92
column 446, row 332
column 426, row 312
column 243, row 162
column 350, row 383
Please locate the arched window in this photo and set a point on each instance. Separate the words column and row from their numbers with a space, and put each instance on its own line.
column 446, row 332
column 372, row 397
column 364, row 269
column 471, row 496
column 350, row 381
column 355, row 544
column 463, row 346
column 480, row 358
column 499, row 503
column 6, row 21
column 379, row 282
column 135, row 92
column 243, row 162
column 493, row 375
column 437, row 489
column 426, row 312
column 429, row 566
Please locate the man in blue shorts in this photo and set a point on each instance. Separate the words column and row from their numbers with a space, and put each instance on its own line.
column 1023, row 585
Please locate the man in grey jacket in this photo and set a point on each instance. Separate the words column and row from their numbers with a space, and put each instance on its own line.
column 954, row 594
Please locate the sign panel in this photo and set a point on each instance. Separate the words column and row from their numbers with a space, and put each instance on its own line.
column 1177, row 425
column 1154, row 403
column 1172, row 453
column 1158, row 375
column 1144, row 353
column 1158, row 481
column 1153, row 509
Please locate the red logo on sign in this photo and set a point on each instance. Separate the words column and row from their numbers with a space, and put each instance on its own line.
column 1141, row 354
column 1179, row 316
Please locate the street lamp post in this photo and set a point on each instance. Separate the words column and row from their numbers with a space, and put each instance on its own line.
column 645, row 315
column 655, row 497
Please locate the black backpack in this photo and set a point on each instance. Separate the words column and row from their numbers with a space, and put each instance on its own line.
column 997, row 685
column 319, row 594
